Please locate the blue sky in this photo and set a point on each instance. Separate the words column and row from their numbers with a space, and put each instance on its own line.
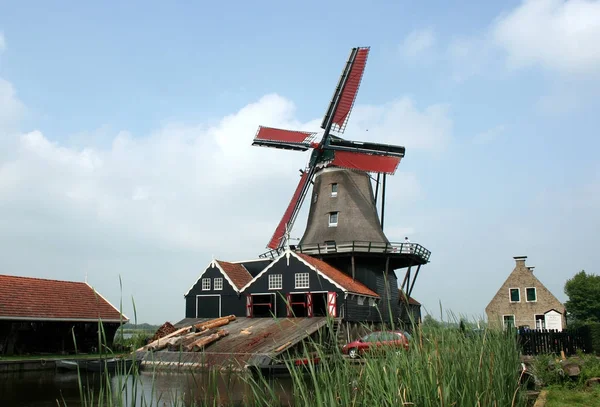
column 125, row 134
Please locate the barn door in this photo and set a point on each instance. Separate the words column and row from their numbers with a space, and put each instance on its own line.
column 309, row 305
column 288, row 304
column 331, row 304
column 249, row 306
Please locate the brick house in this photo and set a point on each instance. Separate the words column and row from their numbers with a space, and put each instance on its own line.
column 523, row 301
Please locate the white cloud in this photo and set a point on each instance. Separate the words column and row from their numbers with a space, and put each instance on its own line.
column 418, row 42
column 558, row 35
column 11, row 109
column 156, row 207
column 401, row 122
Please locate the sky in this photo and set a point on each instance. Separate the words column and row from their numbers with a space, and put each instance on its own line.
column 126, row 130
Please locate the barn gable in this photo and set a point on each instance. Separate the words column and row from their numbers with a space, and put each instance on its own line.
column 235, row 274
column 216, row 291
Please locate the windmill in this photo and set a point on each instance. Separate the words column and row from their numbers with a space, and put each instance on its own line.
column 331, row 151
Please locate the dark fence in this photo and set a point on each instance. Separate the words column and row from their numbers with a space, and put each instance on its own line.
column 546, row 341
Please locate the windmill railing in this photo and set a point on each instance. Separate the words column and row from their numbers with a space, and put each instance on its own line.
column 413, row 249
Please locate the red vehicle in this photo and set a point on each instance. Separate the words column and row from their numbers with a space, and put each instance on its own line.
column 376, row 340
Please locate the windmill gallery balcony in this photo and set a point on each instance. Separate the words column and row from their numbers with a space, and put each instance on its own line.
column 410, row 253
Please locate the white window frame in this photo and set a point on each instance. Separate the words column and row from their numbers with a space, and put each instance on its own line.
column 206, row 284
column 273, row 279
column 535, row 320
column 334, row 189
column 300, row 279
column 510, row 296
column 371, row 302
column 514, row 320
column 534, row 290
column 361, row 300
column 218, row 283
column 337, row 218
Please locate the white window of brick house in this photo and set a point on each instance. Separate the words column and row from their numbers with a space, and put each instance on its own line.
column 334, row 190
column 530, row 294
column 206, row 284
column 514, row 294
column 301, row 280
column 333, row 219
column 509, row 321
column 218, row 283
column 275, row 282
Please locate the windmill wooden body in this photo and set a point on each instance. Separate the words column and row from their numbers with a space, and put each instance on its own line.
column 344, row 227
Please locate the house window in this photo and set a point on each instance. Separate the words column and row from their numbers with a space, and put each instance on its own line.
column 334, row 190
column 531, row 294
column 205, row 284
column 301, row 280
column 372, row 302
column 218, row 283
column 509, row 321
column 515, row 295
column 275, row 282
column 333, row 219
column 361, row 300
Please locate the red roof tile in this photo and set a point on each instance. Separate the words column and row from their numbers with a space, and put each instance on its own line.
column 342, row 279
column 411, row 300
column 237, row 273
column 36, row 298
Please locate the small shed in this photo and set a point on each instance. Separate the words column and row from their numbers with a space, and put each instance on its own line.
column 216, row 292
column 53, row 316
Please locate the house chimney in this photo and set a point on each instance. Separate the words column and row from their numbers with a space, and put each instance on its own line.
column 520, row 260
column 531, row 268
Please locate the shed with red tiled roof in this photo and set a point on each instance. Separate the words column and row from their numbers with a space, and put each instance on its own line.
column 216, row 292
column 40, row 314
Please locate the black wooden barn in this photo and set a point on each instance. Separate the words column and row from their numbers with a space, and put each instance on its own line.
column 217, row 291
column 291, row 285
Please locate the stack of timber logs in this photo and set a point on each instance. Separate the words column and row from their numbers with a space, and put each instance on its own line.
column 163, row 331
column 193, row 338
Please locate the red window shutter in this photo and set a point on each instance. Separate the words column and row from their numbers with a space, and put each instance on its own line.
column 331, row 304
column 249, row 306
column 309, row 305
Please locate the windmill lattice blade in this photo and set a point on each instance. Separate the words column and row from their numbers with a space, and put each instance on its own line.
column 348, row 95
column 291, row 211
column 286, row 136
column 366, row 162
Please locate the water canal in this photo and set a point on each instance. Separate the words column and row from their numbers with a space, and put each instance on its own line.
column 50, row 388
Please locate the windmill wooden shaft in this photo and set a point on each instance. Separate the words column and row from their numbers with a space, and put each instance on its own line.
column 347, row 195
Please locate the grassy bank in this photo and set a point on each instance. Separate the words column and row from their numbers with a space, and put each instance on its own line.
column 443, row 367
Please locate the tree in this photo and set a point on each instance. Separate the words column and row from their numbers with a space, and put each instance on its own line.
column 583, row 291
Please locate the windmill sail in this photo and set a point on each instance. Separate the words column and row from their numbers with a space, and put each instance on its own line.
column 292, row 210
column 345, row 94
column 366, row 162
column 285, row 139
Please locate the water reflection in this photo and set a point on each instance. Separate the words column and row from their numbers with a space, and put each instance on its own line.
column 148, row 389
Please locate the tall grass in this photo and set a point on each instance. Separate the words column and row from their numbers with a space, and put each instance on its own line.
column 443, row 367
